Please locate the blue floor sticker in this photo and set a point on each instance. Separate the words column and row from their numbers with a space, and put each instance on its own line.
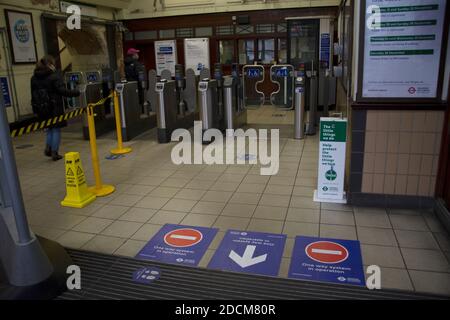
column 250, row 252
column 146, row 275
column 114, row 156
column 327, row 260
column 178, row 244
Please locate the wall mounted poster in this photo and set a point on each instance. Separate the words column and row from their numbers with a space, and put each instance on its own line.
column 402, row 49
column 21, row 35
column 166, row 56
column 196, row 53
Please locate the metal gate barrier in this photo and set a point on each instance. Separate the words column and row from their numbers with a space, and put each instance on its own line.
column 283, row 76
column 252, row 76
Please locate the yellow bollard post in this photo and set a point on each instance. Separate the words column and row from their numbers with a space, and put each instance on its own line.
column 100, row 190
column 120, row 149
column 78, row 195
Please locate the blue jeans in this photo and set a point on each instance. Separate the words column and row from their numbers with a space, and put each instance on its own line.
column 54, row 138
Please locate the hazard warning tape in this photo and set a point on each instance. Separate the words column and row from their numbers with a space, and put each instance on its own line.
column 52, row 121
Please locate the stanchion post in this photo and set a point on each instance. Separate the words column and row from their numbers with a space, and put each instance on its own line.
column 100, row 190
column 120, row 149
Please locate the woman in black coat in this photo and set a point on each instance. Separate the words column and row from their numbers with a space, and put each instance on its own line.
column 48, row 90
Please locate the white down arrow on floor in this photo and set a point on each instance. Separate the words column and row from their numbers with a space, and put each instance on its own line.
column 247, row 260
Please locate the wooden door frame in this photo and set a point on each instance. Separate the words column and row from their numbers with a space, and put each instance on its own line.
column 443, row 181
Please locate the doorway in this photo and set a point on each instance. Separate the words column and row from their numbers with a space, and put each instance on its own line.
column 443, row 187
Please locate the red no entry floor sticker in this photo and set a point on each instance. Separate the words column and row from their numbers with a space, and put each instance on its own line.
column 183, row 238
column 329, row 260
column 178, row 244
column 327, row 252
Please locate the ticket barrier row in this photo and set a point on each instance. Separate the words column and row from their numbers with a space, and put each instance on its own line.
column 175, row 101
column 134, row 119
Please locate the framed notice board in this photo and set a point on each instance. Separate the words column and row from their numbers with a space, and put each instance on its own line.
column 21, row 36
column 402, row 48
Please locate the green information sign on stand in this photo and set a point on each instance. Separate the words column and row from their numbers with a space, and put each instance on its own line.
column 333, row 138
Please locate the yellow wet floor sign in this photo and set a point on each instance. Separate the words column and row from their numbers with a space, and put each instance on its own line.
column 78, row 195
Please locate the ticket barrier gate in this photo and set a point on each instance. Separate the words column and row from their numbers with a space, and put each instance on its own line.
column 133, row 121
column 108, row 81
column 104, row 122
column 235, row 114
column 218, row 75
column 104, row 119
column 299, row 120
column 73, row 80
column 283, row 77
column 312, row 83
column 210, row 115
column 151, row 96
column 253, row 75
column 235, row 73
column 168, row 113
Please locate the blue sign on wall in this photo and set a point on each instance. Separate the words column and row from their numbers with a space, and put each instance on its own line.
column 5, row 91
column 178, row 244
column 146, row 275
column 251, row 252
column 325, row 48
column 327, row 260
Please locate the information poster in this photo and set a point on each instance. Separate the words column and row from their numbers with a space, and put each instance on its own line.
column 21, row 34
column 166, row 56
column 402, row 48
column 196, row 54
column 332, row 147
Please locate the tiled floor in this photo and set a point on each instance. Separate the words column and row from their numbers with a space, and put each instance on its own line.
column 411, row 247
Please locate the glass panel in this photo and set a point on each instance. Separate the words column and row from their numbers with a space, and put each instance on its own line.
column 165, row 34
column 304, row 44
column 246, row 51
column 145, row 35
column 283, row 76
column 265, row 28
column 226, row 51
column 266, row 50
column 203, row 32
column 185, row 32
column 244, row 29
column 128, row 36
column 282, row 27
column 252, row 75
column 282, row 51
column 224, row 30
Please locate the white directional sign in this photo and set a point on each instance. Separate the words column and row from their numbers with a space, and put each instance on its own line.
column 251, row 252
column 247, row 259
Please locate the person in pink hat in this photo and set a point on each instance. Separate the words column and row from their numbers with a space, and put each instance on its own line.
column 132, row 69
